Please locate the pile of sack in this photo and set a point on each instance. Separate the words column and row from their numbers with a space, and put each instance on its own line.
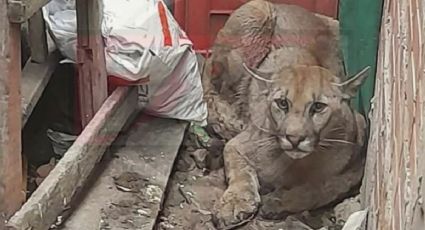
column 142, row 40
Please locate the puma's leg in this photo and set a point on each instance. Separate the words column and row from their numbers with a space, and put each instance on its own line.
column 241, row 199
column 280, row 203
column 223, row 118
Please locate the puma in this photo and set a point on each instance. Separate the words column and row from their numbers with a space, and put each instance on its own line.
column 277, row 93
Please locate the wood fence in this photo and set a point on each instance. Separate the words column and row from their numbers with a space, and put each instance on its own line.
column 394, row 186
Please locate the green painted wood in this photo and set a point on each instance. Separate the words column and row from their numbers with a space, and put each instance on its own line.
column 360, row 22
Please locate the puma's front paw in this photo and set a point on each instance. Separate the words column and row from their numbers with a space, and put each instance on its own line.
column 237, row 206
column 272, row 209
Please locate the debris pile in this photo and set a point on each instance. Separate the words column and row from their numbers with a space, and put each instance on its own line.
column 134, row 211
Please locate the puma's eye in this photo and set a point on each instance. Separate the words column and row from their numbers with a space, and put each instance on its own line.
column 318, row 107
column 282, row 104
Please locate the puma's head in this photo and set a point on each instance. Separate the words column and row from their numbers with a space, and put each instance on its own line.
column 301, row 104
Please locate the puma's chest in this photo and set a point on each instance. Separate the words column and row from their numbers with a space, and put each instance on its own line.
column 275, row 169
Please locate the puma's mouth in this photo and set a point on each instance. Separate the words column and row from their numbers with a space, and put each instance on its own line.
column 296, row 154
column 302, row 149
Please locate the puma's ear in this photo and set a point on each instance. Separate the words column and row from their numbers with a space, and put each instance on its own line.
column 352, row 85
column 259, row 75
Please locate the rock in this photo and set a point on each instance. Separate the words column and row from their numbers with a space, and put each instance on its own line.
column 199, row 156
column 44, row 170
column 214, row 160
column 346, row 208
column 130, row 182
column 39, row 180
column 185, row 162
column 356, row 221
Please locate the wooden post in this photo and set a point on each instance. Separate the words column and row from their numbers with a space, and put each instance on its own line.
column 38, row 38
column 393, row 186
column 20, row 11
column 92, row 78
column 11, row 194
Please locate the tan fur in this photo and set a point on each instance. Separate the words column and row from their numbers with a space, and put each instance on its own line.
column 296, row 159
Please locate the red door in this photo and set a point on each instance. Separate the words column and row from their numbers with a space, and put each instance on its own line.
column 201, row 19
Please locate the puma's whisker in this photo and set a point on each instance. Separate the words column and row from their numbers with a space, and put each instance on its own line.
column 339, row 141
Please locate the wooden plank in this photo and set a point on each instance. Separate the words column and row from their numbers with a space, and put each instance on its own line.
column 57, row 190
column 92, row 78
column 38, row 38
column 11, row 194
column 34, row 80
column 85, row 101
column 98, row 77
column 394, row 186
column 149, row 149
column 20, row 11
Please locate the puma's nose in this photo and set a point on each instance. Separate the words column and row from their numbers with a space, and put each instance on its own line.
column 295, row 140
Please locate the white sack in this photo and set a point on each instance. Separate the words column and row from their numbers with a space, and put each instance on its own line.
column 134, row 49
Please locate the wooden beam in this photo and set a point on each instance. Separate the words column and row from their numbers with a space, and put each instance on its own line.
column 148, row 138
column 20, row 11
column 57, row 190
column 11, row 194
column 92, row 78
column 38, row 37
column 34, row 80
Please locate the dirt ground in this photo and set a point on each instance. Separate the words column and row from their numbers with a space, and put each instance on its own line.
column 192, row 194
